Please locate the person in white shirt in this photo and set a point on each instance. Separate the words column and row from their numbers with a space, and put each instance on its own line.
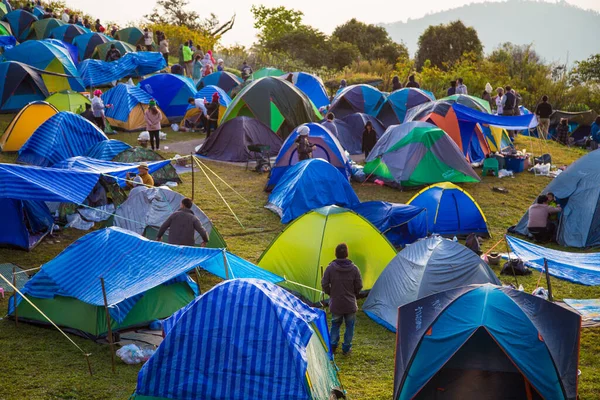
column 498, row 99
column 461, row 88
column 65, row 16
column 148, row 39
column 203, row 116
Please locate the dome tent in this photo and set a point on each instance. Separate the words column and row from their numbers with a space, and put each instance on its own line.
column 41, row 29
column 69, row 101
column 129, row 105
column 265, row 72
column 139, row 154
column 401, row 100
column 276, row 103
column 67, row 33
column 101, row 49
column 451, row 211
column 171, row 92
column 132, row 35
column 349, row 130
column 25, row 123
column 223, row 79
column 19, row 21
column 426, row 267
column 246, row 331
column 22, row 86
column 418, row 153
column 86, row 44
column 310, row 85
column 357, row 98
column 306, row 246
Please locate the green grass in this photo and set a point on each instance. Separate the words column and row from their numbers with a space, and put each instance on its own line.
column 38, row 363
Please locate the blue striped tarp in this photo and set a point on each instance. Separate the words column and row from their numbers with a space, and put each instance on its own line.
column 107, row 149
column 123, row 99
column 130, row 265
column 244, row 339
column 62, row 136
column 22, row 182
column 97, row 72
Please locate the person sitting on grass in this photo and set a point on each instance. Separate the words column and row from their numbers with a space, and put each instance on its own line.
column 539, row 224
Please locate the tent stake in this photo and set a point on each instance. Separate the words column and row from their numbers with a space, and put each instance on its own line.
column 192, row 160
column 547, row 269
column 15, row 297
column 110, row 335
column 87, row 358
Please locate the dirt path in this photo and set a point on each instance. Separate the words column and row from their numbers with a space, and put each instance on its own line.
column 182, row 148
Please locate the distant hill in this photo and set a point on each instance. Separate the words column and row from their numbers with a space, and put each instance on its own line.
column 553, row 28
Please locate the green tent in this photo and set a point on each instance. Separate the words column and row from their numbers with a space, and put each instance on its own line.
column 276, row 103
column 261, row 73
column 3, row 10
column 416, row 154
column 473, row 102
column 69, row 101
column 307, row 245
column 140, row 154
column 102, row 49
column 133, row 36
column 5, row 28
column 41, row 29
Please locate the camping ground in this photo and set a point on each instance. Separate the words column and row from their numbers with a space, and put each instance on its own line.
column 39, row 363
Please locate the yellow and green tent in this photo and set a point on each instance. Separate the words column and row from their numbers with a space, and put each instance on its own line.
column 69, row 101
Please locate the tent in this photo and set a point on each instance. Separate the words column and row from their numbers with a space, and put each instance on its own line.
column 131, row 35
column 19, row 21
column 25, row 123
column 48, row 57
column 62, row 136
column 577, row 190
column 3, row 9
column 401, row 100
column 223, row 79
column 349, row 130
column 21, row 86
column 207, row 93
column 358, row 98
column 579, row 122
column 24, row 223
column 426, row 267
column 171, row 92
column 146, row 209
column 418, row 153
column 69, row 48
column 101, row 49
column 145, row 280
column 107, row 150
column 68, row 33
column 311, row 85
column 231, row 140
column 400, row 223
column 140, row 154
column 475, row 103
column 497, row 138
column 308, row 185
column 5, row 30
column 245, row 331
column 451, row 211
column 263, row 72
column 276, row 103
column 129, row 103
column 41, row 29
column 486, row 341
column 580, row 268
column 97, row 73
column 69, row 101
column 327, row 148
column 86, row 43
column 306, row 246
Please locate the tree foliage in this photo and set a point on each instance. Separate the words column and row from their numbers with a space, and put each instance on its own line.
column 444, row 45
column 588, row 70
column 275, row 22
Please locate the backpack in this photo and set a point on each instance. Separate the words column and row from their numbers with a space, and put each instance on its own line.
column 516, row 265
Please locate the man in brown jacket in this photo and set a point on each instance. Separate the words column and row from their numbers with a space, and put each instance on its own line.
column 343, row 283
column 182, row 225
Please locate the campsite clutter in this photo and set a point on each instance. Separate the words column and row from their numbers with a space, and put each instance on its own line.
column 444, row 302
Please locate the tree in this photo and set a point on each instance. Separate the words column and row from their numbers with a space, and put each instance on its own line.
column 273, row 23
column 372, row 41
column 444, row 45
column 174, row 12
column 588, row 70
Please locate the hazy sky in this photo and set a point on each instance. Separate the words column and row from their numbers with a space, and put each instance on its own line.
column 322, row 14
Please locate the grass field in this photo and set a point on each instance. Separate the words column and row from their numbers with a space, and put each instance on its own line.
column 37, row 363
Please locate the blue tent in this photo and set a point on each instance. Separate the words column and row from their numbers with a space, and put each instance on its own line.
column 98, row 72
column 244, row 339
column 107, row 149
column 358, row 98
column 19, row 21
column 67, row 33
column 312, row 86
column 308, row 185
column 24, row 223
column 327, row 148
column 129, row 104
column 479, row 340
column 223, row 79
column 171, row 92
column 451, row 211
column 401, row 100
column 71, row 49
column 21, row 85
column 426, row 267
column 207, row 93
column 62, row 136
column 400, row 223
column 349, row 130
column 86, row 43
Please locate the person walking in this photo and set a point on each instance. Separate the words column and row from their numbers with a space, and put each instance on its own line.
column 163, row 47
column 412, row 83
column 187, row 59
column 153, row 117
column 543, row 111
column 461, row 88
column 369, row 139
column 197, row 69
column 343, row 283
column 183, row 225
column 148, row 39
column 98, row 108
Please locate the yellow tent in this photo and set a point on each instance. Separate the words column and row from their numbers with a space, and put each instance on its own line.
column 24, row 124
column 135, row 120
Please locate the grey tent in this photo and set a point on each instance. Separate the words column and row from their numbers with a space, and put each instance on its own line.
column 231, row 140
column 349, row 130
column 577, row 190
column 146, row 209
column 423, row 268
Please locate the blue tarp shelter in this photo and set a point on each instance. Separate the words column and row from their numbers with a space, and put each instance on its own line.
column 327, row 148
column 62, row 136
column 451, row 211
column 107, row 149
column 171, row 92
column 400, row 223
column 308, row 185
column 477, row 340
column 312, row 86
column 577, row 190
column 426, row 267
column 401, row 100
column 243, row 339
column 581, row 268
column 467, row 114
column 358, row 98
column 98, row 73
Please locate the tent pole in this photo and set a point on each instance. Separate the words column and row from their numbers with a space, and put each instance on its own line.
column 192, row 159
column 14, row 279
column 110, row 335
column 547, row 269
column 198, row 280
column 225, row 265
